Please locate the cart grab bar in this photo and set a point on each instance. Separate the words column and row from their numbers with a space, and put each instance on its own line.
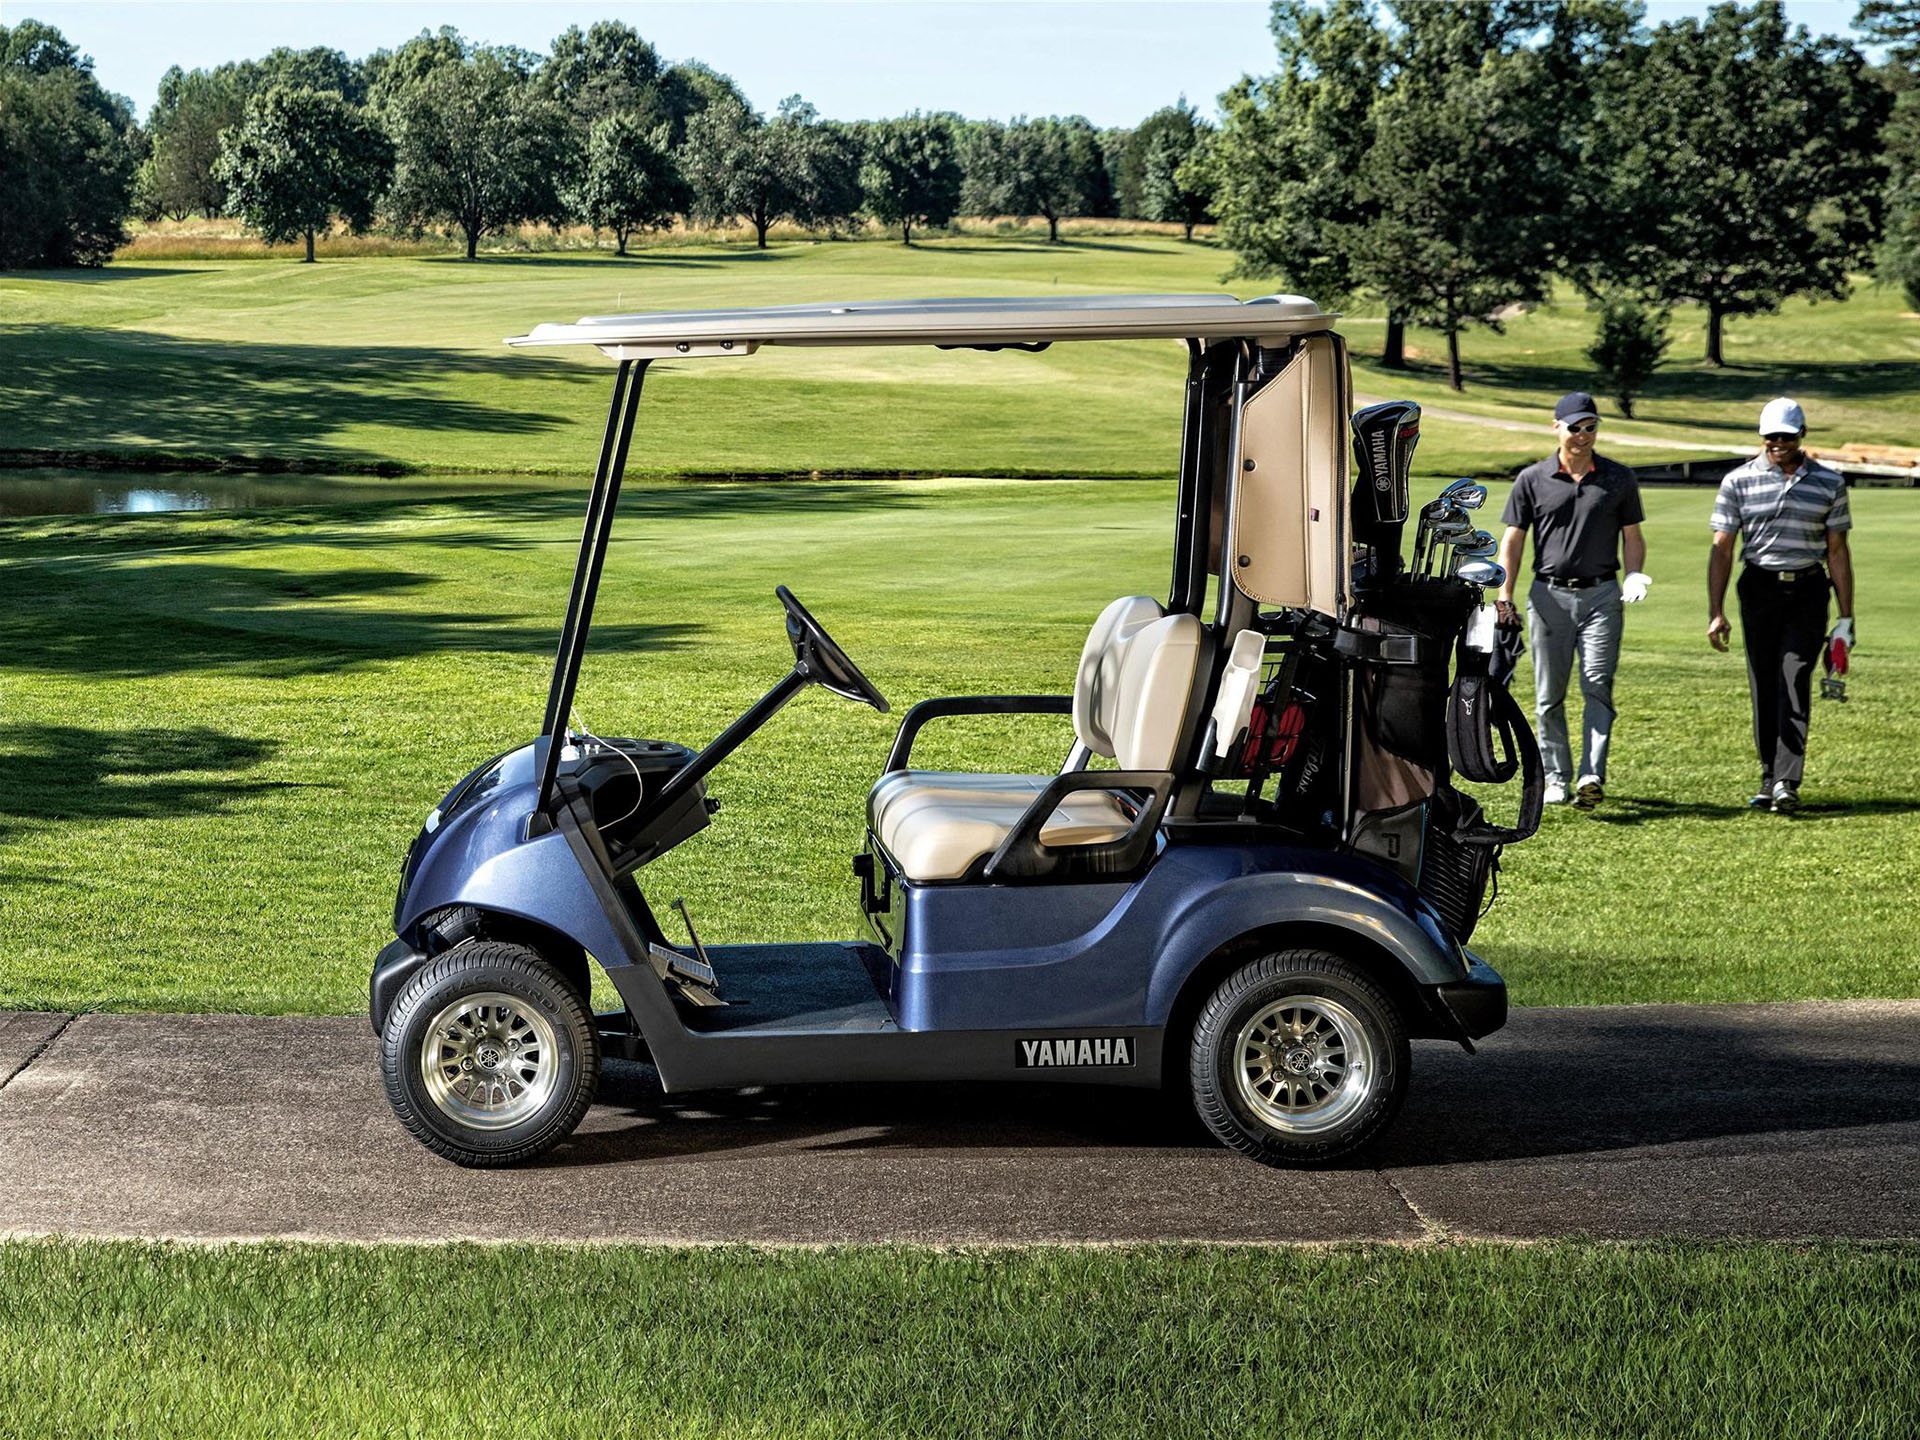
column 1024, row 856
column 946, row 705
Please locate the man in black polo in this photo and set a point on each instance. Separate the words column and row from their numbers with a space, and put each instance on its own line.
column 1584, row 511
column 1794, row 514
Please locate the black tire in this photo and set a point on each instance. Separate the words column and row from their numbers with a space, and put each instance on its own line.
column 1315, row 1120
column 526, row 1122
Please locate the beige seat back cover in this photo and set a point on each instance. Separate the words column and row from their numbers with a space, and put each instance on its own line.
column 1289, row 544
column 1136, row 678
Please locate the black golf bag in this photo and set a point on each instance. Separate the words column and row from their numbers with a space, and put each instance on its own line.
column 1415, row 727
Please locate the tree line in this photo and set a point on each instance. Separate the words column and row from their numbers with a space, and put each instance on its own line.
column 1454, row 160
column 1449, row 161
column 446, row 132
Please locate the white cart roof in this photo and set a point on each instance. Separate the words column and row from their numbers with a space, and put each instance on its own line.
column 1008, row 320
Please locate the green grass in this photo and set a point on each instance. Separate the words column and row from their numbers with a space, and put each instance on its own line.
column 221, row 730
column 374, row 362
column 1548, row 1341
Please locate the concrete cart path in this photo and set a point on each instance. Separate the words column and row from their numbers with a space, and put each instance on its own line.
column 1795, row 1120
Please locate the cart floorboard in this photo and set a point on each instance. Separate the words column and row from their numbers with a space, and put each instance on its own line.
column 814, row 987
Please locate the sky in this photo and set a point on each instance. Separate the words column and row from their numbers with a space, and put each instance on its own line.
column 1113, row 61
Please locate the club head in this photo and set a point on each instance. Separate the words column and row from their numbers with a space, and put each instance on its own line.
column 1481, row 540
column 1484, row 573
column 1453, row 530
column 1465, row 495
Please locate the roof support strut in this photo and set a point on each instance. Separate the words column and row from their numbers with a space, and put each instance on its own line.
column 586, row 578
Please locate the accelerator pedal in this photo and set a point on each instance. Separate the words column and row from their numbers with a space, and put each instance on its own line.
column 691, row 975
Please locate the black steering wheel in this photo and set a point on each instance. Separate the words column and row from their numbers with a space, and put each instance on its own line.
column 819, row 659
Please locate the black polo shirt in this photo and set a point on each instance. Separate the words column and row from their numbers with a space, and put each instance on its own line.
column 1576, row 524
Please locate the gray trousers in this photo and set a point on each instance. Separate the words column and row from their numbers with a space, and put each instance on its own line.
column 1562, row 624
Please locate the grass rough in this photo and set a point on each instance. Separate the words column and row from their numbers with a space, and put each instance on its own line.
column 1472, row 1341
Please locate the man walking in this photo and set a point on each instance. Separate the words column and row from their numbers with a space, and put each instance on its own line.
column 1584, row 511
column 1794, row 514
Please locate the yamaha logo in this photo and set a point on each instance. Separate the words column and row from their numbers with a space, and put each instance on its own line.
column 1076, row 1050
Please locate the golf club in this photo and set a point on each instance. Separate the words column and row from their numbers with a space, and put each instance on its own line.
column 1485, row 573
column 1450, row 529
column 1477, row 546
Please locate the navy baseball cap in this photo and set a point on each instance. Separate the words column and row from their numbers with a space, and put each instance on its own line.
column 1577, row 406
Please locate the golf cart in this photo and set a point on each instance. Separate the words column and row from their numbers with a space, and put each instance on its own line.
column 1249, row 876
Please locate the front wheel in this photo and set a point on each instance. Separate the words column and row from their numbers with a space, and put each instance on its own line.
column 1298, row 1057
column 490, row 1057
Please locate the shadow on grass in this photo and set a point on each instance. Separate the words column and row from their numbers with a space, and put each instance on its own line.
column 192, row 615
column 110, row 273
column 665, row 258
column 1629, row 810
column 501, row 519
column 1529, row 1094
column 70, row 388
column 70, row 773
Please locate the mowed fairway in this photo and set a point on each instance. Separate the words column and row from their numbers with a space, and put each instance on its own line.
column 397, row 363
column 222, row 730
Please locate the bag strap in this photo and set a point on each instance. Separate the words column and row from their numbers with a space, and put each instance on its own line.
column 1517, row 734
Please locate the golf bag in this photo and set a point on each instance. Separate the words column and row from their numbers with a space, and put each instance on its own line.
column 1414, row 730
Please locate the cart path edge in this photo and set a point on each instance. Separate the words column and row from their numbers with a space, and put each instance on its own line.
column 1630, row 1122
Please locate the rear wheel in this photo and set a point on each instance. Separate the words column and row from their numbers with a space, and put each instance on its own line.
column 490, row 1056
column 1298, row 1057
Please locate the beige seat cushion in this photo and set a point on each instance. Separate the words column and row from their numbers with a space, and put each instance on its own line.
column 938, row 833
column 1130, row 699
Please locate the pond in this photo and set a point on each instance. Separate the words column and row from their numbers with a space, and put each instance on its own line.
column 147, row 492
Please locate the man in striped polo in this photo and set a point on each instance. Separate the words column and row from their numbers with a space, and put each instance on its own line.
column 1793, row 512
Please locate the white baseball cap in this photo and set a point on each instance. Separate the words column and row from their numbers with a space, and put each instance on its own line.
column 1783, row 417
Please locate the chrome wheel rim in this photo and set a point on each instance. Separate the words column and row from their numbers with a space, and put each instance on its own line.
column 1303, row 1064
column 489, row 1060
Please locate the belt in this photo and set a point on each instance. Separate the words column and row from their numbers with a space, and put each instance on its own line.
column 1573, row 582
column 1788, row 577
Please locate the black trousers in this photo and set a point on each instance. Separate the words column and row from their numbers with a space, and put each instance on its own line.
column 1785, row 624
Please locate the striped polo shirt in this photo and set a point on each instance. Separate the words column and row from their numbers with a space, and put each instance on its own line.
column 1785, row 520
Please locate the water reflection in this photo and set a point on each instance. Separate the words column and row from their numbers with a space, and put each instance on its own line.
column 110, row 492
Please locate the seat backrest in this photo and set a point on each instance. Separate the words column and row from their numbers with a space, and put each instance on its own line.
column 1136, row 676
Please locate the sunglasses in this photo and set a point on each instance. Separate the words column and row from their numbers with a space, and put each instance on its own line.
column 1586, row 427
column 1780, row 439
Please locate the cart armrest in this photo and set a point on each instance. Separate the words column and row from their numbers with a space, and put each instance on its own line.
column 1024, row 856
column 946, row 705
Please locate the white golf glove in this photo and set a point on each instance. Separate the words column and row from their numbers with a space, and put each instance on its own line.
column 1634, row 588
column 1843, row 631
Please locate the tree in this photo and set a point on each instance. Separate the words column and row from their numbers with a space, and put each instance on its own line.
column 629, row 181
column 1895, row 25
column 1286, row 162
column 689, row 88
column 911, row 174
column 318, row 68
column 740, row 166
column 1170, row 188
column 475, row 145
column 300, row 157
column 193, row 107
column 606, row 70
column 1052, row 168
column 1627, row 348
column 66, row 159
column 1463, row 151
column 1743, row 166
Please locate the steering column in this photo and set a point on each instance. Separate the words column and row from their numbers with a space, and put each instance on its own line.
column 817, row 660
